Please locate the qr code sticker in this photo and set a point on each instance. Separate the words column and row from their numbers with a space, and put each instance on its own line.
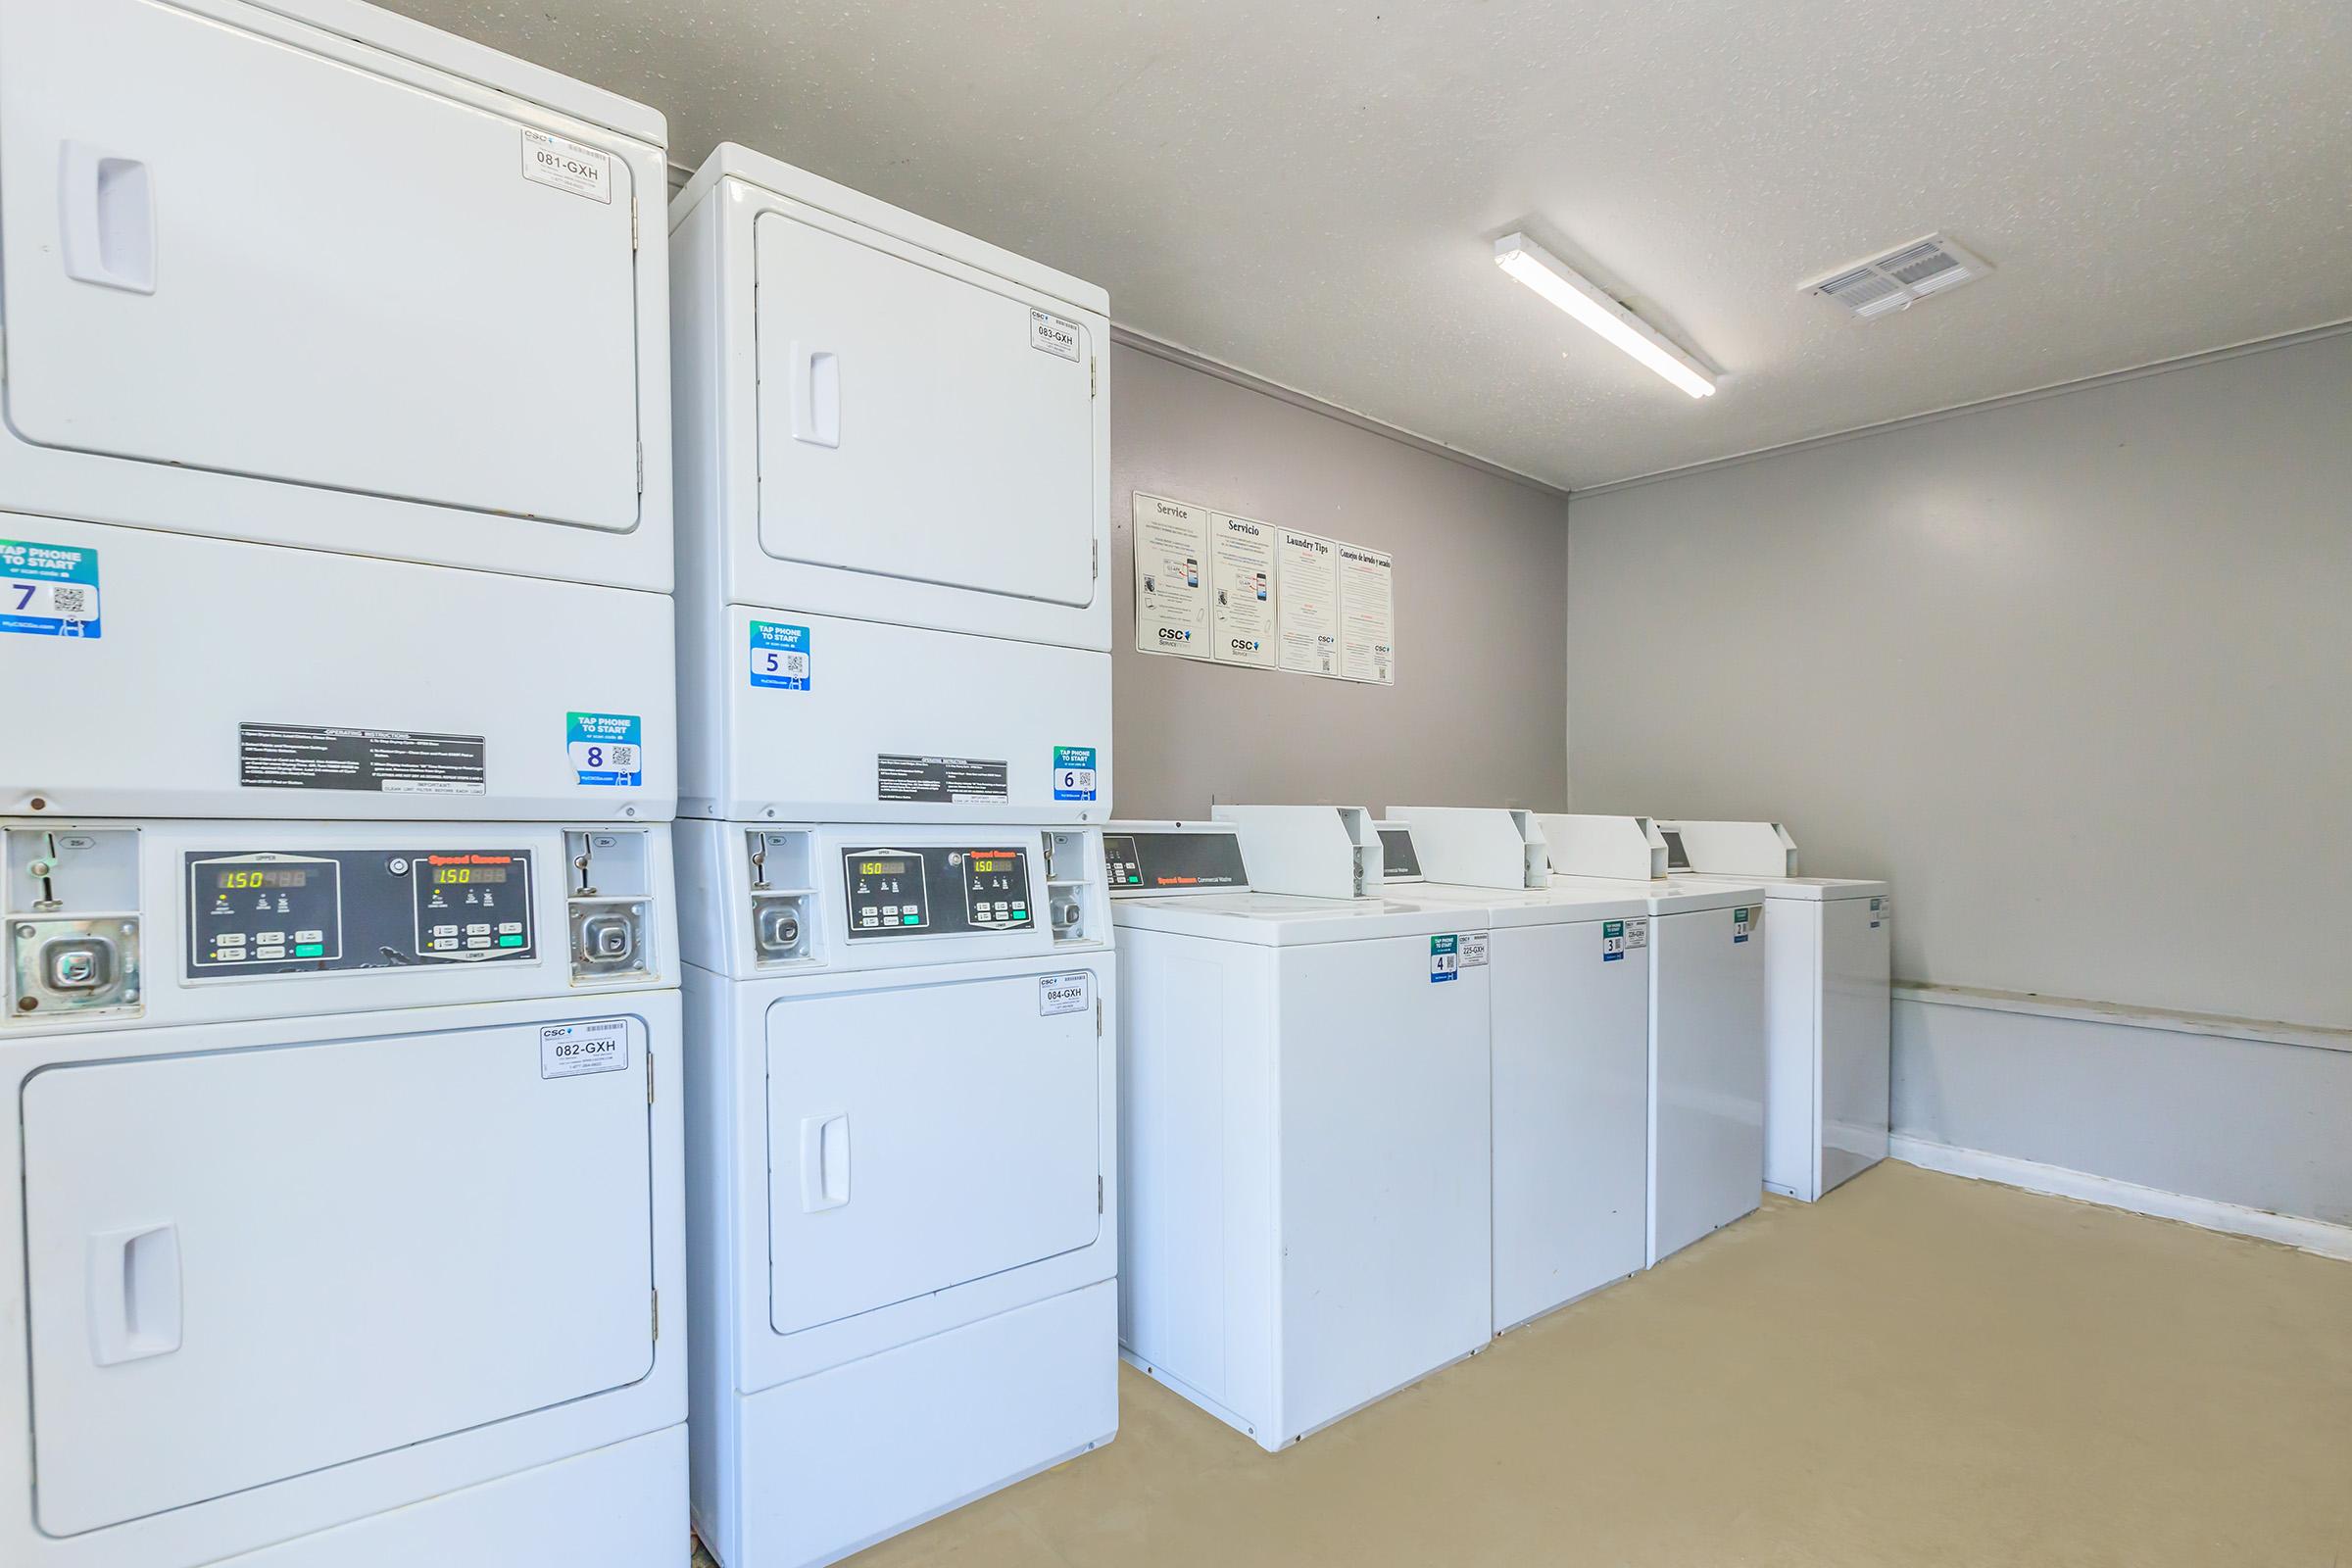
column 70, row 601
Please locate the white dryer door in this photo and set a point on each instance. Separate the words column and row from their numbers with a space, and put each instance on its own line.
column 913, row 424
column 922, row 1137
column 226, row 253
column 245, row 1265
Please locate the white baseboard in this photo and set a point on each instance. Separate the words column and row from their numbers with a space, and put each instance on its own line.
column 2311, row 1234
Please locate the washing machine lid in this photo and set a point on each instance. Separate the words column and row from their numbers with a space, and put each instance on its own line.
column 1678, row 896
column 1553, row 906
column 1284, row 919
column 1808, row 889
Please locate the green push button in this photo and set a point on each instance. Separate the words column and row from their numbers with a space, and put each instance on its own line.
column 309, row 950
column 911, row 919
column 512, row 941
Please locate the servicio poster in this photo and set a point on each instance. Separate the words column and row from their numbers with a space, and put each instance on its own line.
column 1241, row 616
column 1171, row 595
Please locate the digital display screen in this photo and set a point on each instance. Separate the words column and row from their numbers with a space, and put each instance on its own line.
column 261, row 877
column 979, row 864
column 881, row 867
column 467, row 875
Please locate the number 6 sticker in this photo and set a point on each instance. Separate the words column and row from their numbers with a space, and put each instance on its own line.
column 1074, row 773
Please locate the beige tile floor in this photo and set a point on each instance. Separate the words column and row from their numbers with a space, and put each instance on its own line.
column 1920, row 1370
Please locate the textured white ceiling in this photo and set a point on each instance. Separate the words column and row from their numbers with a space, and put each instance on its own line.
column 1309, row 191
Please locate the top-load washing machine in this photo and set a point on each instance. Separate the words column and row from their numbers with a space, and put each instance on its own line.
column 894, row 502
column 1569, row 997
column 903, row 1225
column 334, row 481
column 1826, row 980
column 1706, row 1025
column 1304, row 1108
column 340, row 1188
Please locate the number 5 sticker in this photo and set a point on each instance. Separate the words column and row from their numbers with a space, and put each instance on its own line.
column 781, row 659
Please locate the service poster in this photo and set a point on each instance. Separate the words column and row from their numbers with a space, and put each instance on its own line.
column 1171, row 577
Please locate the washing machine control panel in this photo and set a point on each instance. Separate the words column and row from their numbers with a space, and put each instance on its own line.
column 281, row 913
column 935, row 891
column 1174, row 860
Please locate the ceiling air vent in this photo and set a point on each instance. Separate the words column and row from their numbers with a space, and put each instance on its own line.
column 1894, row 281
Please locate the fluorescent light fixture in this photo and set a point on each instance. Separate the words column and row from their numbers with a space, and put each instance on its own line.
column 1531, row 264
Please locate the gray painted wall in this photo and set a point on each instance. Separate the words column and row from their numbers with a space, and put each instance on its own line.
column 2075, row 673
column 1477, row 710
column 2242, row 1121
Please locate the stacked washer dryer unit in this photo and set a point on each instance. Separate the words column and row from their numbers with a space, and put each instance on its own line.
column 1706, row 1025
column 1304, row 1103
column 341, row 1158
column 1826, row 982
column 1570, row 1005
column 893, row 492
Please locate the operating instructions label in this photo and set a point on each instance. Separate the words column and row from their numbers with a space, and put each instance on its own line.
column 941, row 780
column 388, row 761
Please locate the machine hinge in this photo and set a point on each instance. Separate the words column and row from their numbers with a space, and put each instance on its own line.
column 1091, row 380
column 632, row 223
column 657, row 1307
column 641, row 468
column 1095, row 559
column 1098, row 1191
column 1097, row 1017
column 649, row 1077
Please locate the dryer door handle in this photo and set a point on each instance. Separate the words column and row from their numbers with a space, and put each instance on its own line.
column 135, row 1293
column 815, row 395
column 824, row 1162
column 105, row 218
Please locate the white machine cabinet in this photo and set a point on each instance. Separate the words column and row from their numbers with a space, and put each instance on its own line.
column 1827, row 984
column 1570, row 1020
column 297, row 1186
column 902, row 1223
column 1707, row 947
column 894, row 501
column 1305, row 1115
column 303, row 301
